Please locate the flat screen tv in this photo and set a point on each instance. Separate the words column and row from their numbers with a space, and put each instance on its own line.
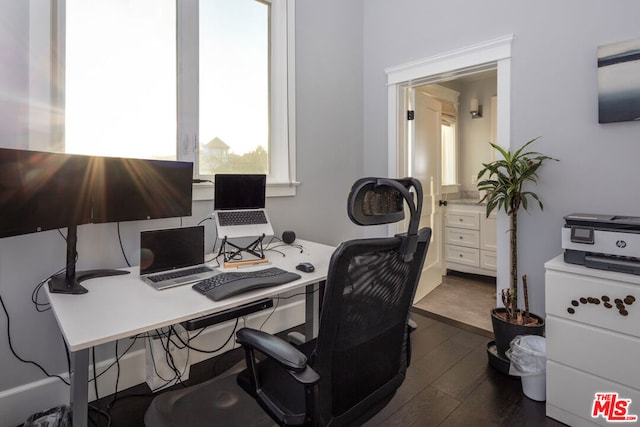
column 44, row 191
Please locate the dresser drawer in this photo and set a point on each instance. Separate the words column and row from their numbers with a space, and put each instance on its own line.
column 462, row 237
column 600, row 352
column 570, row 395
column 462, row 219
column 567, row 292
column 462, row 255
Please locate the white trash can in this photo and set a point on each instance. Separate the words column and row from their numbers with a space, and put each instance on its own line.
column 527, row 354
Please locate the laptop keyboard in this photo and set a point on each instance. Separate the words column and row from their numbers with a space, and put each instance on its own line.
column 227, row 284
column 175, row 274
column 241, row 218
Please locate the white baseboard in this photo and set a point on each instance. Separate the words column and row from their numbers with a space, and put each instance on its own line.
column 18, row 403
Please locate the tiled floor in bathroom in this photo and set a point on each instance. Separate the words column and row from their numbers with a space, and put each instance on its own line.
column 463, row 300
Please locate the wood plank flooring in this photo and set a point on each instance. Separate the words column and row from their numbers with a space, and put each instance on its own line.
column 449, row 383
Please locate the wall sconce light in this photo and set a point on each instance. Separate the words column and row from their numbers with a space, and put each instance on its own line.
column 475, row 109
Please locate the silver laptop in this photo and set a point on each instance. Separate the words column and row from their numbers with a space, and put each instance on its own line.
column 173, row 257
column 239, row 206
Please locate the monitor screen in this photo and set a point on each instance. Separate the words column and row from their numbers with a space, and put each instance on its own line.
column 239, row 191
column 168, row 249
column 137, row 189
column 42, row 191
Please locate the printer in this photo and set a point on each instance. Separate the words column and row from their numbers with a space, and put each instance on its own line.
column 605, row 242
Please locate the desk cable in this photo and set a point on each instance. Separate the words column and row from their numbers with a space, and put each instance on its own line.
column 177, row 373
column 279, row 244
column 15, row 354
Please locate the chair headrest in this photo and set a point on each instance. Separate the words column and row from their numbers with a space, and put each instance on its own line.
column 375, row 201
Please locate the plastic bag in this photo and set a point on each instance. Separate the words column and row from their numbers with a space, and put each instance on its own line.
column 528, row 355
column 59, row 416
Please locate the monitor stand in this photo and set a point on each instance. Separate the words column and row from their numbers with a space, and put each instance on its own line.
column 69, row 281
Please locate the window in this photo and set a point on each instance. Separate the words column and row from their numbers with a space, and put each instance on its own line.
column 234, row 87
column 449, row 153
column 120, row 78
column 207, row 81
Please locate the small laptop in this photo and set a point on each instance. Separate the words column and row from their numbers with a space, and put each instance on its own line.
column 173, row 257
column 239, row 206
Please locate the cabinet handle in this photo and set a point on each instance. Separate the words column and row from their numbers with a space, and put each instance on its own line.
column 460, row 237
column 461, row 255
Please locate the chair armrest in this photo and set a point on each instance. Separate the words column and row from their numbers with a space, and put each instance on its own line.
column 280, row 351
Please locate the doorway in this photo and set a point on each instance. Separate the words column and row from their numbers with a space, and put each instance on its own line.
column 464, row 291
column 480, row 58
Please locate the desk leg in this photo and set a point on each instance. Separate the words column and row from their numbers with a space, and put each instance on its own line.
column 312, row 310
column 80, row 387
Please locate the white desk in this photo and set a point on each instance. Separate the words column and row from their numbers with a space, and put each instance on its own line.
column 118, row 307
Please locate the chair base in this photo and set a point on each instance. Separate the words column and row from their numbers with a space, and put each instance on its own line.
column 219, row 401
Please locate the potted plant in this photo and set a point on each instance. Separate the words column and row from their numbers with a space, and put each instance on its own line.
column 504, row 182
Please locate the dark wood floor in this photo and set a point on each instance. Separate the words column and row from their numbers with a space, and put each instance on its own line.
column 449, row 383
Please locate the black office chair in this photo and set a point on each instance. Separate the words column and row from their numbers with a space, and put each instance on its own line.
column 354, row 367
column 359, row 359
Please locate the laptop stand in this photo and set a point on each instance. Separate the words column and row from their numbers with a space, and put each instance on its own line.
column 254, row 248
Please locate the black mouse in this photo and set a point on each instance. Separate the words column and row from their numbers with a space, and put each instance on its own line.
column 307, row 267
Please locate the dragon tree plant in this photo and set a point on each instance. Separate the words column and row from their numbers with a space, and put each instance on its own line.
column 503, row 182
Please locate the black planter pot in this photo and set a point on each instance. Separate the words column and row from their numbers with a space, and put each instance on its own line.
column 504, row 332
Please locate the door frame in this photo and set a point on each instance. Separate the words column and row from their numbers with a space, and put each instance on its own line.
column 491, row 54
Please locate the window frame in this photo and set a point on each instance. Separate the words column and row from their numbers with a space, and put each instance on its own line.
column 282, row 178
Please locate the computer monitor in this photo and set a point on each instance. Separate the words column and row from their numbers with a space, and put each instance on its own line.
column 138, row 189
column 44, row 191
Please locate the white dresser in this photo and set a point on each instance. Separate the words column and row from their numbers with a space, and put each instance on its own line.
column 470, row 238
column 593, row 340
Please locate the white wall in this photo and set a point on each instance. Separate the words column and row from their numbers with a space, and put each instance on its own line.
column 553, row 95
column 329, row 146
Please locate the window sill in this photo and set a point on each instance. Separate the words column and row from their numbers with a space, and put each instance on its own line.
column 204, row 190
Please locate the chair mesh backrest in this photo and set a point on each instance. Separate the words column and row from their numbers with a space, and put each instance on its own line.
column 361, row 347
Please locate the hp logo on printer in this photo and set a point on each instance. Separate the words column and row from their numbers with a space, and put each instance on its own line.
column 621, row 244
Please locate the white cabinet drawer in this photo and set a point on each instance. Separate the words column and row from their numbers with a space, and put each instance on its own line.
column 570, row 395
column 598, row 351
column 488, row 260
column 567, row 292
column 462, row 255
column 462, row 237
column 462, row 219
